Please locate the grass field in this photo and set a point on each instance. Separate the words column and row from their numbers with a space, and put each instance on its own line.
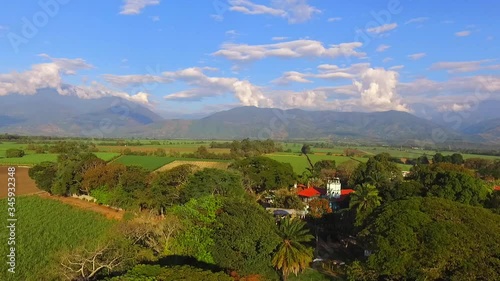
column 33, row 159
column 299, row 163
column 45, row 227
column 150, row 163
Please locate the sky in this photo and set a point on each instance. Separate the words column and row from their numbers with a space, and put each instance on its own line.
column 195, row 56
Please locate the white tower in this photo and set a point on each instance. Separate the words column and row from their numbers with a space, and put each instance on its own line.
column 333, row 188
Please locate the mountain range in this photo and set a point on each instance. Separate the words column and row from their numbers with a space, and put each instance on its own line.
column 48, row 113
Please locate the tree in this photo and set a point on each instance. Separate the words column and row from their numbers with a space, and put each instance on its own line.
column 345, row 170
column 14, row 153
column 287, row 199
column 262, row 173
column 450, row 181
column 165, row 187
column 432, row 239
column 244, row 238
column 364, row 200
column 378, row 171
column 44, row 175
column 107, row 176
column 319, row 207
column 306, row 149
column 211, row 181
column 292, row 254
column 199, row 221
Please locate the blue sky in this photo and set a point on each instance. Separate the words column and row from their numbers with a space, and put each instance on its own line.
column 200, row 56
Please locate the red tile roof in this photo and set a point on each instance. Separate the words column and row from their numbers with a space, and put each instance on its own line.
column 312, row 192
column 344, row 193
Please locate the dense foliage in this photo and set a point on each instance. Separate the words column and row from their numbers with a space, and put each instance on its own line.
column 261, row 173
column 433, row 238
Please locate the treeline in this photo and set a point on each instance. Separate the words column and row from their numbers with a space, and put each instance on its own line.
column 63, row 147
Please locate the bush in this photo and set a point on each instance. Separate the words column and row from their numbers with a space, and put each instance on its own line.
column 14, row 153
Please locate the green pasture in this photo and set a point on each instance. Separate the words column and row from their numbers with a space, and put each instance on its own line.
column 44, row 228
column 150, row 163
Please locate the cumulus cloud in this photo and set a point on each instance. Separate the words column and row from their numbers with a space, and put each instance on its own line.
column 382, row 28
column 417, row 20
column 464, row 66
column 417, row 56
column 134, row 7
column 50, row 75
column 290, row 49
column 462, row 33
column 44, row 75
column 382, row 48
column 377, row 87
column 295, row 11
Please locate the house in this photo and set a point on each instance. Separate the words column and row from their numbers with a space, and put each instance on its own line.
column 333, row 192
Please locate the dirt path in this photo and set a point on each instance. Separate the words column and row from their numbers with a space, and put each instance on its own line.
column 90, row 206
column 24, row 184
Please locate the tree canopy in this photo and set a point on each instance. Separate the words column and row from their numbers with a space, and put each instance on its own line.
column 262, row 173
column 433, row 238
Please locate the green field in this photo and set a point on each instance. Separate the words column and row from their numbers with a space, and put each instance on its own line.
column 299, row 163
column 150, row 163
column 45, row 227
column 33, row 159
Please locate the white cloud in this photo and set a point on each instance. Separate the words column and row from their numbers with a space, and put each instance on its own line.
column 388, row 59
column 50, row 75
column 334, row 19
column 417, row 20
column 382, row 48
column 232, row 32
column 417, row 56
column 279, row 38
column 396, row 67
column 290, row 49
column 250, row 8
column 464, row 66
column 377, row 87
column 454, row 107
column 295, row 11
column 292, row 76
column 462, row 33
column 134, row 7
column 382, row 28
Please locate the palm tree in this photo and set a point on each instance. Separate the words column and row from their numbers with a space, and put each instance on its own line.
column 364, row 199
column 292, row 255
